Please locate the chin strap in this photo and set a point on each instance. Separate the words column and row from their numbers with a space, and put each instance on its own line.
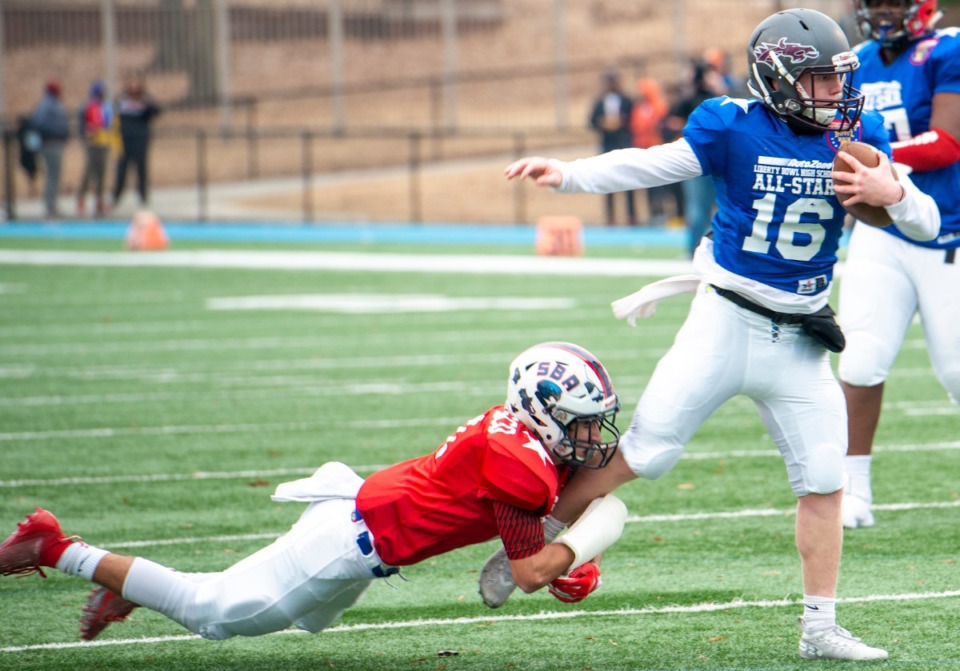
column 928, row 151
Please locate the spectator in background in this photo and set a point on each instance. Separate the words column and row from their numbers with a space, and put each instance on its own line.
column 136, row 112
column 719, row 59
column 50, row 120
column 96, row 123
column 610, row 117
column 698, row 193
column 646, row 123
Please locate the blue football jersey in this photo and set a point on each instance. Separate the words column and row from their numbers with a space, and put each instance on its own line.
column 902, row 92
column 778, row 221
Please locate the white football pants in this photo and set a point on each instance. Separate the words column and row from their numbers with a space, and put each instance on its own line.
column 723, row 351
column 306, row 578
column 885, row 282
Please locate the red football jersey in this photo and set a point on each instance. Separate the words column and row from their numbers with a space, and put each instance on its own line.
column 442, row 501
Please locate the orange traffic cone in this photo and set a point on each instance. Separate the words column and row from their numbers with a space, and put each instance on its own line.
column 559, row 236
column 146, row 233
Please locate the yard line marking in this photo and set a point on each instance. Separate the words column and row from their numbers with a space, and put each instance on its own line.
column 201, row 429
column 176, row 477
column 708, row 607
column 370, row 468
column 361, row 303
column 632, row 519
column 356, row 262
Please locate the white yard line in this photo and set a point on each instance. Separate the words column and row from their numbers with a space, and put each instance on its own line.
column 470, row 264
column 708, row 607
column 370, row 468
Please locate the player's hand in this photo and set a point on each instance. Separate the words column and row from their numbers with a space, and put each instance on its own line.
column 875, row 186
column 542, row 170
column 576, row 585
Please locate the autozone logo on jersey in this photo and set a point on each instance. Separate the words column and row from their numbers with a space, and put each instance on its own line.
column 774, row 174
column 882, row 95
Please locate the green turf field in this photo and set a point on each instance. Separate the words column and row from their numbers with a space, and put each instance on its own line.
column 152, row 423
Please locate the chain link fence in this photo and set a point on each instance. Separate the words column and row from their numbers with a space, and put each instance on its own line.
column 270, row 89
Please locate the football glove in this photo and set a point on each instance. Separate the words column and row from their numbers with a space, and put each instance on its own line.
column 576, row 585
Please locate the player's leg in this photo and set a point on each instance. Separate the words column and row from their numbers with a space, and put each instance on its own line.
column 877, row 302
column 805, row 415
column 936, row 275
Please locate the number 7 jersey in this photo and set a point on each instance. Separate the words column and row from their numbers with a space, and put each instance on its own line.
column 778, row 221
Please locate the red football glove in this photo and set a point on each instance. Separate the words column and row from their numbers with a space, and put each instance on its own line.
column 576, row 585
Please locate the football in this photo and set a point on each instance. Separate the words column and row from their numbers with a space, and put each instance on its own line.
column 870, row 157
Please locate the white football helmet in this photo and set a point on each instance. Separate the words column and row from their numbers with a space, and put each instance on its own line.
column 555, row 385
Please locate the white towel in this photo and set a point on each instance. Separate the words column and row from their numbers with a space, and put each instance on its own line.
column 643, row 303
column 333, row 480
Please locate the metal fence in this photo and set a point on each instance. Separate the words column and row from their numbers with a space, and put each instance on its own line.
column 255, row 78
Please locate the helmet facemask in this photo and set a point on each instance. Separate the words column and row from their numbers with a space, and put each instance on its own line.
column 819, row 110
column 587, row 441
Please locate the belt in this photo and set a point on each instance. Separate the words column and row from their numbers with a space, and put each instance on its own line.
column 747, row 304
column 950, row 256
column 365, row 544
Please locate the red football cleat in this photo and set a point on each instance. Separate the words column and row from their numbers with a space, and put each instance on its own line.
column 103, row 607
column 38, row 541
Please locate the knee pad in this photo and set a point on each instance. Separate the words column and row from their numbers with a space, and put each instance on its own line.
column 650, row 457
column 863, row 363
column 823, row 473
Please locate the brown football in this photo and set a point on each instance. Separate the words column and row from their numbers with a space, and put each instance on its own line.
column 870, row 157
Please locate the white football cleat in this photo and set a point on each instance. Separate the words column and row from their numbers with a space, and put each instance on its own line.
column 835, row 642
column 496, row 579
column 856, row 512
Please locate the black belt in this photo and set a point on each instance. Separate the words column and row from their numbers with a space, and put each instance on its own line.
column 365, row 543
column 950, row 256
column 747, row 304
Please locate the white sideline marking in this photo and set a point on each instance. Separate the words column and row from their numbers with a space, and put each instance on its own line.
column 370, row 468
column 483, row 264
column 541, row 616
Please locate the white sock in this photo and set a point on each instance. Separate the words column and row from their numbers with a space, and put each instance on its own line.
column 819, row 612
column 80, row 559
column 858, row 472
column 552, row 528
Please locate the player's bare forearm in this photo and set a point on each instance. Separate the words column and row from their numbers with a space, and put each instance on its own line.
column 537, row 571
column 588, row 485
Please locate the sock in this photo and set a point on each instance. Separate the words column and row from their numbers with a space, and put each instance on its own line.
column 819, row 612
column 858, row 472
column 80, row 559
column 552, row 528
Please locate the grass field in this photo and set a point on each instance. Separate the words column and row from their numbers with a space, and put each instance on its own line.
column 153, row 423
